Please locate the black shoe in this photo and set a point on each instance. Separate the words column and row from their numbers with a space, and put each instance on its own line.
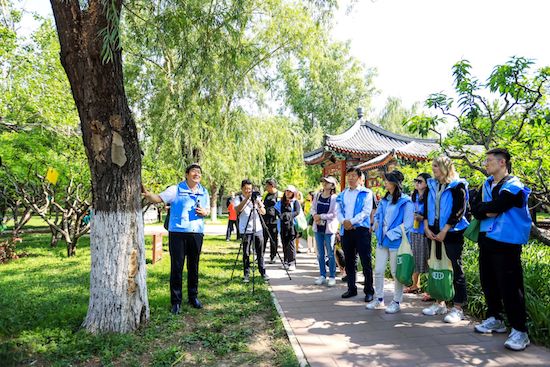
column 175, row 309
column 349, row 294
column 345, row 278
column 195, row 303
column 369, row 297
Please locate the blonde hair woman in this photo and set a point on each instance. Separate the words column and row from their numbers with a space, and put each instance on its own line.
column 444, row 223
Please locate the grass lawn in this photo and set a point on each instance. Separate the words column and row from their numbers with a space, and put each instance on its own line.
column 33, row 223
column 37, row 222
column 44, row 299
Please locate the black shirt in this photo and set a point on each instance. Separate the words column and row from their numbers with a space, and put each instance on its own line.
column 270, row 216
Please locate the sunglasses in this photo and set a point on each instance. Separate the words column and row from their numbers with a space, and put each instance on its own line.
column 416, row 180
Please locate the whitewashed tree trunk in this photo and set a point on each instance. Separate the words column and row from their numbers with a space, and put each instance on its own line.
column 214, row 213
column 118, row 295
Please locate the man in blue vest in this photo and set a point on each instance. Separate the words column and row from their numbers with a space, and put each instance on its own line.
column 353, row 207
column 504, row 228
column 189, row 204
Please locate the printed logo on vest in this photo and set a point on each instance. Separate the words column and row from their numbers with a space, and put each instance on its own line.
column 399, row 260
column 438, row 275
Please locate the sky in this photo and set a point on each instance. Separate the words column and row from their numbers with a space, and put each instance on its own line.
column 413, row 44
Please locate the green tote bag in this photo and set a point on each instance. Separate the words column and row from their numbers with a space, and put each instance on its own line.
column 405, row 260
column 440, row 275
column 472, row 232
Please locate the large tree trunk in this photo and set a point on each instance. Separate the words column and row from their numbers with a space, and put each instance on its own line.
column 118, row 292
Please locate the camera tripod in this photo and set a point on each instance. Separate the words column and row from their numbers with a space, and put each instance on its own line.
column 252, row 243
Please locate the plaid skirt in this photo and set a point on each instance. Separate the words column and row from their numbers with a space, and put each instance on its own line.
column 419, row 244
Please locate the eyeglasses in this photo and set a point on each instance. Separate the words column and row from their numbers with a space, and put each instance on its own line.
column 489, row 160
column 417, row 181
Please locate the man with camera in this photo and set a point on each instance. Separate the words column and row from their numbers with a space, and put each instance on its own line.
column 249, row 206
column 189, row 204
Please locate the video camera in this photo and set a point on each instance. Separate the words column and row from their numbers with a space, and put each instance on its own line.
column 255, row 195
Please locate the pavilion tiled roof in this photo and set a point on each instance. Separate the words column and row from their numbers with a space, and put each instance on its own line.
column 367, row 140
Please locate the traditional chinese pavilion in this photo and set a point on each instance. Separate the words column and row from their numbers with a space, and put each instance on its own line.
column 370, row 148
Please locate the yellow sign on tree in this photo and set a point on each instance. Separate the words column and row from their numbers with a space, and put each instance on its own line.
column 52, row 175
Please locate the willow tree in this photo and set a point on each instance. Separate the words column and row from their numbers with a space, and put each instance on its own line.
column 194, row 67
column 91, row 56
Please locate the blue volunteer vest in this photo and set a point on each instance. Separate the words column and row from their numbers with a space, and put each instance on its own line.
column 183, row 217
column 446, row 204
column 358, row 207
column 514, row 225
column 400, row 215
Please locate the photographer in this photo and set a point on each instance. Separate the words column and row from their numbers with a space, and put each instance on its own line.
column 250, row 227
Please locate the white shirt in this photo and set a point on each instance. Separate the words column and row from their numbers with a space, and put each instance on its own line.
column 350, row 196
column 245, row 213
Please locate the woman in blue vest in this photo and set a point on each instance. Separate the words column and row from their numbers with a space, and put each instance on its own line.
column 287, row 209
column 505, row 227
column 419, row 242
column 445, row 222
column 395, row 214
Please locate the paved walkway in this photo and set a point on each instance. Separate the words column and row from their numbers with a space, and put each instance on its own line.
column 332, row 331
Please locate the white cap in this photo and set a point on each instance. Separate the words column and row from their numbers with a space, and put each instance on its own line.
column 291, row 188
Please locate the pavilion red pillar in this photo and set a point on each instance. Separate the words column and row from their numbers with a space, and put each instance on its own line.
column 343, row 169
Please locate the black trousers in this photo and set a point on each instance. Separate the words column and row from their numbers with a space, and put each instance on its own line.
column 258, row 247
column 230, row 225
column 182, row 245
column 501, row 277
column 289, row 248
column 358, row 241
column 271, row 230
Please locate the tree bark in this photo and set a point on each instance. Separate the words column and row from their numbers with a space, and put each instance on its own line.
column 540, row 234
column 118, row 292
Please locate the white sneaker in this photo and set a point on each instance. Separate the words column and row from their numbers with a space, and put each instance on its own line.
column 393, row 307
column 454, row 316
column 331, row 282
column 320, row 280
column 491, row 325
column 292, row 267
column 435, row 309
column 517, row 340
column 374, row 304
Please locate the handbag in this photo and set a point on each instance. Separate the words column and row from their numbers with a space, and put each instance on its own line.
column 309, row 218
column 440, row 275
column 405, row 260
column 472, row 232
column 300, row 222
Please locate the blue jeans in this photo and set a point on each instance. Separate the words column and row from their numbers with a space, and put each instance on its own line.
column 325, row 241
